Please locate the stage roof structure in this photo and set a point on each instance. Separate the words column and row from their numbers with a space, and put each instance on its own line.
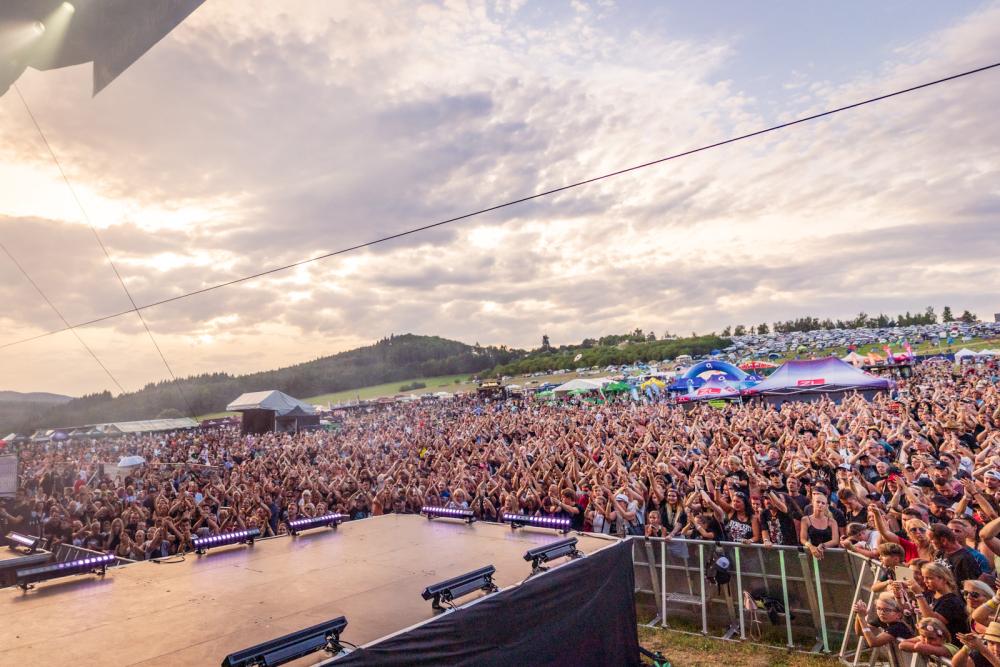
column 112, row 34
column 273, row 400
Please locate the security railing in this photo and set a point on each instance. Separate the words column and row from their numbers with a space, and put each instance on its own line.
column 810, row 600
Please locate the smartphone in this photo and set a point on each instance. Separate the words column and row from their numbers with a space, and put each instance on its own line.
column 903, row 573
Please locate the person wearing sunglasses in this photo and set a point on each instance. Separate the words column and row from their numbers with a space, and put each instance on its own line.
column 976, row 594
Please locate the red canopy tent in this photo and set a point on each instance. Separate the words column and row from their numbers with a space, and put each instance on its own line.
column 756, row 365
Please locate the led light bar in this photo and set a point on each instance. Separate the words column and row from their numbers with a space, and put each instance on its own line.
column 549, row 552
column 291, row 646
column 448, row 590
column 448, row 512
column 30, row 575
column 30, row 542
column 560, row 523
column 294, row 527
column 236, row 537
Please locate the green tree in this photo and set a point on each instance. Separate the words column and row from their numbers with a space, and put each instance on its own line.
column 946, row 315
column 763, row 328
column 545, row 342
column 968, row 317
column 929, row 316
column 727, row 331
column 740, row 330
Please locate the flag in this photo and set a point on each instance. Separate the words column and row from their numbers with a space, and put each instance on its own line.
column 888, row 354
column 909, row 349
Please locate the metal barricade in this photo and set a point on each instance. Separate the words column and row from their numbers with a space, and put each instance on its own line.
column 817, row 596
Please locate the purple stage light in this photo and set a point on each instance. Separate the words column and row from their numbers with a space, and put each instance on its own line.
column 30, row 575
column 557, row 522
column 314, row 522
column 431, row 511
column 235, row 537
column 30, row 542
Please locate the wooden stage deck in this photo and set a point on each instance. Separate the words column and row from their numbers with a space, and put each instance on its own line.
column 197, row 611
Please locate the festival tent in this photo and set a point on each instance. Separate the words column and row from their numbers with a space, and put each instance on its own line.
column 617, row 387
column 854, row 359
column 963, row 353
column 577, row 383
column 273, row 410
column 757, row 365
column 809, row 379
column 716, row 387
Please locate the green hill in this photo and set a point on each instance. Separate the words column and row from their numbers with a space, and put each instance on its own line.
column 392, row 359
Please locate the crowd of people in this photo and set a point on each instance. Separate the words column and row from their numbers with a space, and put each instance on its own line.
column 911, row 477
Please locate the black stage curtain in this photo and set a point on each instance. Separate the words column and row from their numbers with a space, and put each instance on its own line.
column 582, row 613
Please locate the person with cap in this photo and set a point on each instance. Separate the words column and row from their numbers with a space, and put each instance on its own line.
column 979, row 651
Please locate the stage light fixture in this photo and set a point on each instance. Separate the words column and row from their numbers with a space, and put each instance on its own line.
column 236, row 537
column 560, row 523
column 298, row 525
column 549, row 552
column 456, row 587
column 68, row 8
column 29, row 542
column 431, row 512
column 291, row 646
column 97, row 563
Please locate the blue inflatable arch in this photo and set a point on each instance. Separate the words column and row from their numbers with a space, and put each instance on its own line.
column 727, row 369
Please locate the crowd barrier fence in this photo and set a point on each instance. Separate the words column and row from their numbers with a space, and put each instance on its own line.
column 811, row 600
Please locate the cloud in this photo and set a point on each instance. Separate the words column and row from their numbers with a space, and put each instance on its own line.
column 258, row 134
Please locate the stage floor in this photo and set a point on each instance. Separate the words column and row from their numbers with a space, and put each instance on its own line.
column 198, row 611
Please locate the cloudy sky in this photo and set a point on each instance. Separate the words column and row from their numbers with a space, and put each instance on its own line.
column 259, row 133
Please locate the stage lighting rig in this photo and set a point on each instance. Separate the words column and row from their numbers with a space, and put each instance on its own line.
column 29, row 542
column 323, row 636
column 97, row 563
column 456, row 587
column 298, row 525
column 448, row 513
column 201, row 544
column 562, row 524
column 550, row 552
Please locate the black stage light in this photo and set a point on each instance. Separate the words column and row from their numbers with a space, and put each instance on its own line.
column 456, row 587
column 29, row 542
column 291, row 646
column 97, row 563
column 562, row 524
column 236, row 537
column 298, row 525
column 549, row 552
column 448, row 512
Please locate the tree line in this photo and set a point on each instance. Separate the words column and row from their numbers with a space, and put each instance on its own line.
column 861, row 321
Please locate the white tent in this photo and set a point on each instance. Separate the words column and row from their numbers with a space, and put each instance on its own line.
column 965, row 353
column 854, row 358
column 578, row 383
column 280, row 402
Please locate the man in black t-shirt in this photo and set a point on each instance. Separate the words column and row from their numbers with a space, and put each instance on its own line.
column 962, row 563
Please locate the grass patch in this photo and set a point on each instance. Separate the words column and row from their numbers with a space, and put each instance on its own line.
column 684, row 650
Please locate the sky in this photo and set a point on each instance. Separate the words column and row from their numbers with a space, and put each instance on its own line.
column 259, row 133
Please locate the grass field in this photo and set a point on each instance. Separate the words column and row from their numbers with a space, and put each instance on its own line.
column 685, row 650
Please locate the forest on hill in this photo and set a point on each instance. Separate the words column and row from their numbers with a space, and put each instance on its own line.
column 394, row 358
